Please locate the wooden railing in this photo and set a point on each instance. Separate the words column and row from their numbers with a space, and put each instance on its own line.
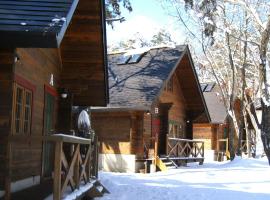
column 75, row 166
column 225, row 149
column 184, row 148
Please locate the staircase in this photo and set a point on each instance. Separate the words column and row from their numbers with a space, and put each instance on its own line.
column 164, row 163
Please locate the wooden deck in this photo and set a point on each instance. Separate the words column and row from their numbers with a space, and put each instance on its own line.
column 75, row 168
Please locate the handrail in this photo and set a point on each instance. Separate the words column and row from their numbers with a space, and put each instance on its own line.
column 50, row 138
column 185, row 148
column 67, row 139
column 185, row 140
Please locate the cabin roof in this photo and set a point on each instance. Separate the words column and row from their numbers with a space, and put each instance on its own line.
column 34, row 23
column 140, row 84
column 214, row 103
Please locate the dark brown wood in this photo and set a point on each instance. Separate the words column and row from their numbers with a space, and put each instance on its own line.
column 6, row 80
column 82, row 52
column 57, row 171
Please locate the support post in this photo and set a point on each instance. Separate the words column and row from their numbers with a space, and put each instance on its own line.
column 57, row 171
column 8, row 172
column 77, row 168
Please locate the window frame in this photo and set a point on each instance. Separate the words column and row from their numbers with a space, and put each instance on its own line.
column 24, row 106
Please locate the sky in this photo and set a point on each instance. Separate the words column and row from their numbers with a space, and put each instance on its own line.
column 146, row 19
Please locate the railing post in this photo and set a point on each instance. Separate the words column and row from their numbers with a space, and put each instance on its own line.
column 8, row 171
column 77, row 168
column 195, row 146
column 203, row 149
column 88, row 164
column 96, row 157
column 57, row 171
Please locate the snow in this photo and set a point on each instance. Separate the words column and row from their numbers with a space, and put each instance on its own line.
column 242, row 179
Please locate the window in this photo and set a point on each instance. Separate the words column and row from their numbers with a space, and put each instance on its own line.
column 203, row 86
column 22, row 110
column 122, row 60
column 135, row 58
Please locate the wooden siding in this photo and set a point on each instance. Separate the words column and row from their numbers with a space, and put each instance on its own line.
column 82, row 52
column 136, row 135
column 6, row 78
column 210, row 133
column 191, row 88
column 207, row 133
column 119, row 132
column 177, row 112
column 34, row 67
column 113, row 130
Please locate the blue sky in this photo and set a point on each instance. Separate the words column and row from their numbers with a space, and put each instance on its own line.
column 146, row 19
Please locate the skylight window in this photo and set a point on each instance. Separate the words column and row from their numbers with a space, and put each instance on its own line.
column 203, row 86
column 123, row 59
column 135, row 58
column 209, row 87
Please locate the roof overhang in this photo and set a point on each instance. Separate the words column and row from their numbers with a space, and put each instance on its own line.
column 39, row 24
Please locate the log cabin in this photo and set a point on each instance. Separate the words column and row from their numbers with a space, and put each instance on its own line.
column 215, row 132
column 52, row 57
column 154, row 93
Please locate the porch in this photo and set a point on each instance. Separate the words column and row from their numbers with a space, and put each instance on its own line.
column 179, row 152
column 75, row 169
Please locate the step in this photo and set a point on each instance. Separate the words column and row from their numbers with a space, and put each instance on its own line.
column 168, row 163
column 171, row 167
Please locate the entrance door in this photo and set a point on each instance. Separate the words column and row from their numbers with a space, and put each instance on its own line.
column 164, row 128
column 48, row 150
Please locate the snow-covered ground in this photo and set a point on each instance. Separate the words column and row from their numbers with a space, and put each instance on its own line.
column 242, row 179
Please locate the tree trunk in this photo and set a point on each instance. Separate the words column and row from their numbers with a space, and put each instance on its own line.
column 231, row 138
column 265, row 129
column 265, row 89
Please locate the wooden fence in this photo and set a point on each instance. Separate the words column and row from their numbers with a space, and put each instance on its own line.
column 75, row 161
column 184, row 149
column 74, row 167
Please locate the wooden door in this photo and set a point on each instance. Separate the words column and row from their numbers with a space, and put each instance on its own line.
column 48, row 150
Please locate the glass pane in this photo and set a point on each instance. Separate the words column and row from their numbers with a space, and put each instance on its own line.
column 123, row 59
column 27, row 112
column 135, row 58
column 28, row 98
column 19, row 95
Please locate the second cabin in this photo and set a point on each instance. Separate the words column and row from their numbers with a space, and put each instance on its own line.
column 154, row 95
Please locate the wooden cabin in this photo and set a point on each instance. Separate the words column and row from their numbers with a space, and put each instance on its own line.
column 217, row 128
column 52, row 57
column 154, row 95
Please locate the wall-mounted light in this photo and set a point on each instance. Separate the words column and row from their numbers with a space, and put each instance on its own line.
column 148, row 112
column 51, row 80
column 16, row 58
column 64, row 93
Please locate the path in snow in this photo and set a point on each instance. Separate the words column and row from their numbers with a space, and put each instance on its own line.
column 242, row 179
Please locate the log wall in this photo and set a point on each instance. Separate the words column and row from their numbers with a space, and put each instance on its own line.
column 177, row 113
column 6, row 78
column 34, row 70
